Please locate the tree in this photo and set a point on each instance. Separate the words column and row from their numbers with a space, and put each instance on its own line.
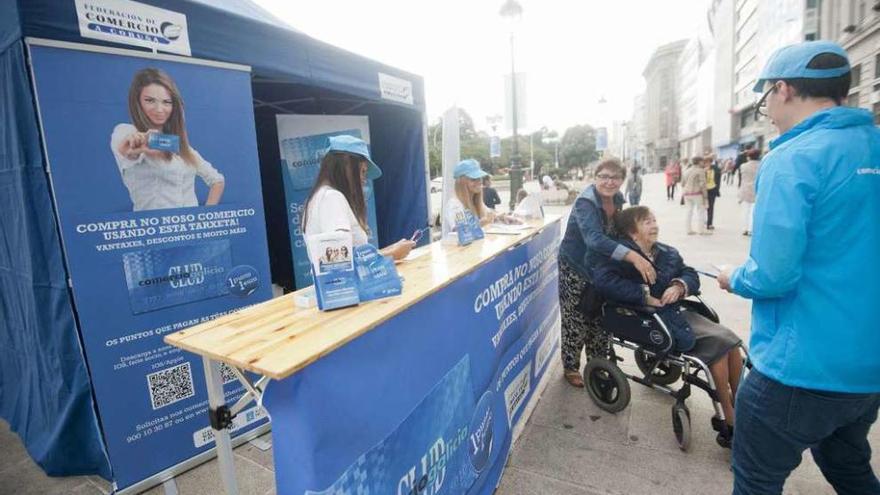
column 578, row 147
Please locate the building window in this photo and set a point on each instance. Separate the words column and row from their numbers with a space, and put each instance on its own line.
column 857, row 75
column 810, row 37
column 877, row 113
column 853, row 100
column 812, row 4
column 877, row 66
column 746, row 118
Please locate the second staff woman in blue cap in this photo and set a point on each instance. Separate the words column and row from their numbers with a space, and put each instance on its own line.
column 468, row 198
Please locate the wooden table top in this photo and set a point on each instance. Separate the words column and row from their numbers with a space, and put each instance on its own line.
column 276, row 338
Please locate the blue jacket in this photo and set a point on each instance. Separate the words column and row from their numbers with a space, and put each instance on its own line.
column 814, row 266
column 585, row 242
column 620, row 281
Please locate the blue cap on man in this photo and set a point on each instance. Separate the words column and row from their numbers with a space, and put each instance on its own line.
column 351, row 144
column 469, row 168
column 792, row 62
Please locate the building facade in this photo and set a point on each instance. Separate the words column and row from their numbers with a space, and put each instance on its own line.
column 855, row 24
column 661, row 105
column 696, row 101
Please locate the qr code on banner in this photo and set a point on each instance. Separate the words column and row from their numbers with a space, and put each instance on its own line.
column 226, row 373
column 170, row 385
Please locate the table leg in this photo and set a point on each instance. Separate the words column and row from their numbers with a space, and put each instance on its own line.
column 217, row 399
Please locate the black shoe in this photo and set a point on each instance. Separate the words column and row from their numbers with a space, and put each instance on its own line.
column 725, row 441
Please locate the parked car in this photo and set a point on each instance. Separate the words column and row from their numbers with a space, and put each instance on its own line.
column 436, row 184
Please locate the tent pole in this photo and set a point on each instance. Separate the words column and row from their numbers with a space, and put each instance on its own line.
column 427, row 164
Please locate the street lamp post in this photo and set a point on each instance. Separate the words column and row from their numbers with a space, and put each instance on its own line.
column 512, row 10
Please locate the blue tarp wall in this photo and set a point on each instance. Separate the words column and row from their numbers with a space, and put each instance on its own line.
column 45, row 392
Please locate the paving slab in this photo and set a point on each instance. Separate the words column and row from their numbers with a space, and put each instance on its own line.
column 528, row 483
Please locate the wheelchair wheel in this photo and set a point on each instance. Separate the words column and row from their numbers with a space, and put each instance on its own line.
column 681, row 425
column 664, row 374
column 606, row 385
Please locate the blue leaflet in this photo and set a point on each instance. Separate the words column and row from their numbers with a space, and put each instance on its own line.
column 427, row 454
column 333, row 269
column 377, row 276
column 163, row 142
column 159, row 278
column 467, row 226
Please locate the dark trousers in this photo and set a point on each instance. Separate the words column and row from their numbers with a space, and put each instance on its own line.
column 710, row 213
column 634, row 199
column 670, row 192
column 775, row 423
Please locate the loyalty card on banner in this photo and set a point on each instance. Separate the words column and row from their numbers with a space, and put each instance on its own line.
column 160, row 278
column 332, row 263
column 376, row 274
column 163, row 142
column 427, row 453
column 467, row 226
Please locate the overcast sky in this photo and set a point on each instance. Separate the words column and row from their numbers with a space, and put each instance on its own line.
column 573, row 51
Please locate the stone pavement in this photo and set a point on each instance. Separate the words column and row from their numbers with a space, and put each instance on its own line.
column 569, row 446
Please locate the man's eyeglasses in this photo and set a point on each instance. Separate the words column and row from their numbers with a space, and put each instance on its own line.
column 761, row 106
column 608, row 178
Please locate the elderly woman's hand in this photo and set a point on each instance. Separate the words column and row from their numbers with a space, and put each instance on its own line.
column 672, row 294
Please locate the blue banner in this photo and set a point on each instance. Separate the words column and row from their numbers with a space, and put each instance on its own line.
column 426, row 402
column 302, row 144
column 161, row 216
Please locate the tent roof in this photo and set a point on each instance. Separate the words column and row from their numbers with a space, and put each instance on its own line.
column 236, row 31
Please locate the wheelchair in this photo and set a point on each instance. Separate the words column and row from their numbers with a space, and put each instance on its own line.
column 643, row 331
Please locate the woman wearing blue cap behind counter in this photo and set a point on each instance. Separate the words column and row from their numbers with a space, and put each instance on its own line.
column 468, row 198
column 336, row 202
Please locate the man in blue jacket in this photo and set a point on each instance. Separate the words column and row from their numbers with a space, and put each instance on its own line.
column 813, row 274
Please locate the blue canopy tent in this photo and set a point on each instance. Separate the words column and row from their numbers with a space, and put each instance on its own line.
column 45, row 390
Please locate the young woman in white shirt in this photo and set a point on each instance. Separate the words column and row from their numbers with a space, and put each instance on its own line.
column 336, row 202
column 160, row 179
column 468, row 199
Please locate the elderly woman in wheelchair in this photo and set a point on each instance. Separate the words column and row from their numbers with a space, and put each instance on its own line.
column 671, row 331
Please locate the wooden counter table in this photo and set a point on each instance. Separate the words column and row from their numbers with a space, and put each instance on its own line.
column 275, row 339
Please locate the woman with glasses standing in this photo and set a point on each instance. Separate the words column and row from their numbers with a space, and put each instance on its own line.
column 589, row 239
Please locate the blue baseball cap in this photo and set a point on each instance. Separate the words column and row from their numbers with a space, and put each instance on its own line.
column 351, row 144
column 791, row 62
column 469, row 168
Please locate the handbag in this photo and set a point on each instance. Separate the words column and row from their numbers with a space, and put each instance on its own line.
column 591, row 302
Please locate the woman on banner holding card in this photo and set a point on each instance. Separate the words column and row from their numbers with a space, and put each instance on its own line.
column 157, row 163
column 336, row 202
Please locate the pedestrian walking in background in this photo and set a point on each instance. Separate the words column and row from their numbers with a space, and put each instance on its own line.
column 673, row 175
column 695, row 195
column 634, row 186
column 740, row 159
column 713, row 188
column 748, row 171
column 490, row 196
column 728, row 170
column 812, row 274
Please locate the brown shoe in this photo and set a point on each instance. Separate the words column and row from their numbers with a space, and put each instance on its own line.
column 574, row 378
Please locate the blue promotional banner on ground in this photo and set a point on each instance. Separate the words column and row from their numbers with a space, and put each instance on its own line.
column 426, row 403
column 156, row 240
column 302, row 140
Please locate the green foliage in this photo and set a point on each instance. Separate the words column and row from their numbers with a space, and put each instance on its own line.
column 577, row 148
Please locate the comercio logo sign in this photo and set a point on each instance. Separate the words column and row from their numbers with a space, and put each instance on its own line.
column 133, row 23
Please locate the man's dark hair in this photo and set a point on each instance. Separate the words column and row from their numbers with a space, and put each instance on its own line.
column 753, row 154
column 836, row 88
